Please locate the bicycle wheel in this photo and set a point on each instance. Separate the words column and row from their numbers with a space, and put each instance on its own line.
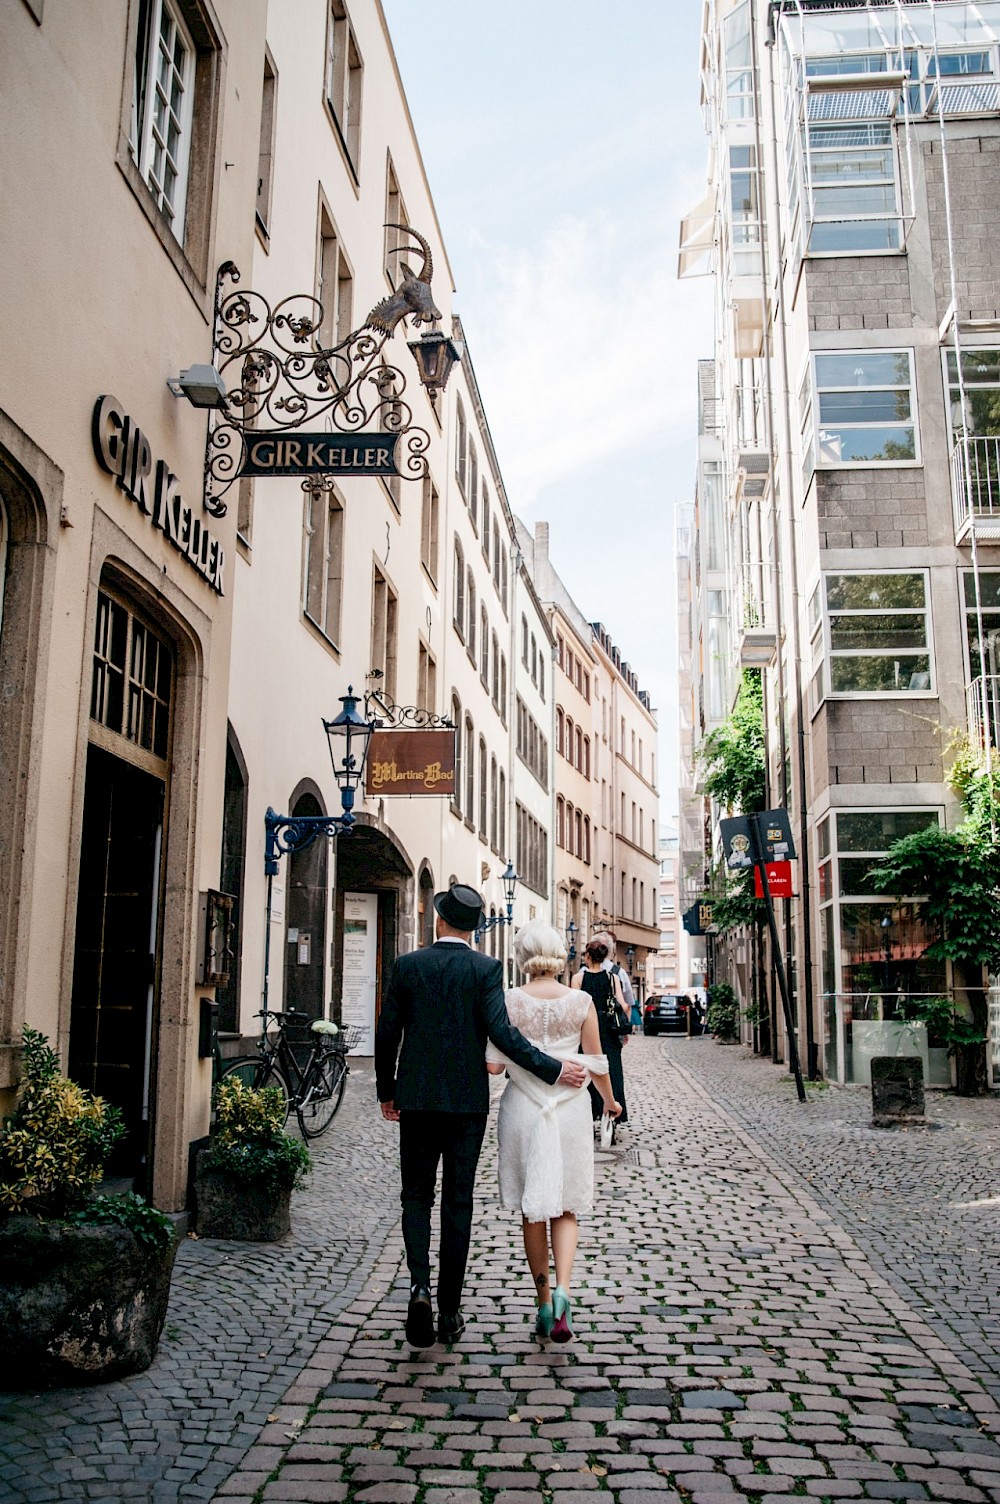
column 251, row 1070
column 324, row 1095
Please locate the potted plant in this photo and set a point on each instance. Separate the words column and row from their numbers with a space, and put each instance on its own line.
column 84, row 1279
column 245, row 1178
column 723, row 1019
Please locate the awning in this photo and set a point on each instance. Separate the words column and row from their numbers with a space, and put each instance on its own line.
column 697, row 239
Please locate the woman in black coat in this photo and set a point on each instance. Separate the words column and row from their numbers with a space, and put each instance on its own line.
column 605, row 989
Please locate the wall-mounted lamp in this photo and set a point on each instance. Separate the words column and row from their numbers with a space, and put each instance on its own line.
column 435, row 355
column 201, row 385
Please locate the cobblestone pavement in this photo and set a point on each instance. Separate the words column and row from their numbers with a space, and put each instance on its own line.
column 243, row 1320
column 772, row 1301
column 734, row 1339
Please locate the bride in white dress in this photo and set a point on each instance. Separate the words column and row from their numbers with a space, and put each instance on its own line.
column 546, row 1135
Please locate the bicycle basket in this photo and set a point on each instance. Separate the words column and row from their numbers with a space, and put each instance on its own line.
column 350, row 1036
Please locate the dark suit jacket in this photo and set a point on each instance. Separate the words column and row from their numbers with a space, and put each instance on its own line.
column 441, row 1005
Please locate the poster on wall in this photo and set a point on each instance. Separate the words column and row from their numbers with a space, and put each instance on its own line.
column 359, row 961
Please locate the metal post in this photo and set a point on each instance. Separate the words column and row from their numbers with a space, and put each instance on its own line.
column 786, row 1003
column 267, row 952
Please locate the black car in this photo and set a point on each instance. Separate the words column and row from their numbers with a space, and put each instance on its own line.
column 666, row 1013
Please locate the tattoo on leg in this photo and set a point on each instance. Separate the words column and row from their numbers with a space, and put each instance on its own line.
column 541, row 1280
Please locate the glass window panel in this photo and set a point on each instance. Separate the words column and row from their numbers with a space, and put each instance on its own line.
column 989, row 591
column 855, row 198
column 863, row 368
column 871, row 592
column 824, row 67
column 888, row 959
column 864, row 407
column 842, row 169
column 861, row 445
column 838, row 236
column 870, row 675
column 856, row 632
column 858, row 133
column 959, row 63
column 876, row 830
column 856, row 878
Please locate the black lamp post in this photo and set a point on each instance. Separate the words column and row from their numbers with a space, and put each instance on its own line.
column 571, row 941
column 348, row 735
column 510, row 880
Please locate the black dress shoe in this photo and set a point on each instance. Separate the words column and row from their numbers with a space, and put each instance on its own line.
column 450, row 1328
column 419, row 1318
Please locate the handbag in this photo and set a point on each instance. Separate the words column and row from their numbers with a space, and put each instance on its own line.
column 607, row 1130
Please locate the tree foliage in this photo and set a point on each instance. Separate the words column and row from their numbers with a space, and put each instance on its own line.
column 733, row 755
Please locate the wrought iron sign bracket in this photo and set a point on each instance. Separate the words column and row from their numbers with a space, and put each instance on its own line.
column 281, row 378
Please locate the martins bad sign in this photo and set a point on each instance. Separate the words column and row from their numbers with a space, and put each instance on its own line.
column 302, row 453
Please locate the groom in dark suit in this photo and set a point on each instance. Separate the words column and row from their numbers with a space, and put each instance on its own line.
column 442, row 1004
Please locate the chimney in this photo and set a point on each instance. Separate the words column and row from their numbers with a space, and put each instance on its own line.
column 541, row 542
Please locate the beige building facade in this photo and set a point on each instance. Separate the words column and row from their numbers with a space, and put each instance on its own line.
column 125, row 184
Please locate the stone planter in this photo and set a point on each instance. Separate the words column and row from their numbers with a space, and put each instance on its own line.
column 78, row 1305
column 242, row 1210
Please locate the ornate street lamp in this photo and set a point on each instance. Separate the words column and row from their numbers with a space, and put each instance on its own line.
column 348, row 735
column 571, row 941
column 435, row 355
column 510, row 880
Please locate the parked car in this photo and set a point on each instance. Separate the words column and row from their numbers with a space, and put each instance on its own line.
column 666, row 1013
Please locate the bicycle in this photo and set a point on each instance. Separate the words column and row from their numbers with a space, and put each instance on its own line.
column 310, row 1072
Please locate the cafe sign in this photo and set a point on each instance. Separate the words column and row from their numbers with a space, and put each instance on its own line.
column 411, row 762
column 300, row 453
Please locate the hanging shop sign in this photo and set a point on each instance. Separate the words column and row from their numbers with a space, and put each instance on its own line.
column 775, row 835
column 697, row 920
column 737, row 844
column 123, row 450
column 779, row 880
column 411, row 762
column 300, row 453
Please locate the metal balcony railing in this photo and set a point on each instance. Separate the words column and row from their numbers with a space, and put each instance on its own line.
column 975, row 485
column 755, row 641
column 982, row 710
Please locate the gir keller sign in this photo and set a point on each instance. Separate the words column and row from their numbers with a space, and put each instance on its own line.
column 122, row 449
column 299, row 453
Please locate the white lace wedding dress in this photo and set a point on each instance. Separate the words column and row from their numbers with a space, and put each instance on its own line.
column 546, row 1133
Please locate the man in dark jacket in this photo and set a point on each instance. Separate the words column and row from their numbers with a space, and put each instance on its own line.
column 442, row 1004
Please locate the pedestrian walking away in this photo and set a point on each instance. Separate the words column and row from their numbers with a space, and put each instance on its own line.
column 546, row 1142
column 613, row 1022
column 442, row 1005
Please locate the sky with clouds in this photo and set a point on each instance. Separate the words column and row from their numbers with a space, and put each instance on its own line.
column 563, row 142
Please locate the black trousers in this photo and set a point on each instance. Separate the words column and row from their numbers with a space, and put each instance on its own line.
column 453, row 1139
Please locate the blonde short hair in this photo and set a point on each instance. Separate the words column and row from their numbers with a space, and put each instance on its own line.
column 539, row 950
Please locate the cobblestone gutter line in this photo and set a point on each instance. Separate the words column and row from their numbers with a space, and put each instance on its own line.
column 243, row 1321
column 922, row 1204
column 733, row 1343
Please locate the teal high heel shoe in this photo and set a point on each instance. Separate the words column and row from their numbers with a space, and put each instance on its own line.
column 562, row 1326
column 543, row 1320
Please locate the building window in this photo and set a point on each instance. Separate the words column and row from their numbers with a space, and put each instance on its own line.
column 560, row 724
column 344, row 75
column 586, row 757
column 458, row 586
column 323, row 568
column 483, row 805
column 461, row 444
column 502, row 845
column 334, row 288
column 524, row 641
column 484, row 647
column 470, row 769
column 265, row 155
column 503, row 580
column 456, row 716
column 503, row 688
column 586, row 839
column 578, row 750
column 866, row 404
column 494, row 817
column 495, row 660
column 497, row 561
column 384, row 630
column 560, row 821
column 426, row 679
column 430, row 510
column 473, row 484
column 131, row 678
column 470, row 590
column 879, row 633
column 395, row 240
column 534, row 660
column 163, row 107
column 541, row 676
column 486, row 525
column 532, row 852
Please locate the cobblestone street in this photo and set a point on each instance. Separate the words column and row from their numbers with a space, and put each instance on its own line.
column 771, row 1301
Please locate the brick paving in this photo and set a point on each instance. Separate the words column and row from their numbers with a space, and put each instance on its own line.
column 772, row 1302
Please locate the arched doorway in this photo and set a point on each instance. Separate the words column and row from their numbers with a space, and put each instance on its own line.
column 372, row 867
column 306, row 908
column 113, row 1011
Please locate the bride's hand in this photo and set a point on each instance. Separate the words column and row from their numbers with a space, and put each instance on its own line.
column 496, row 1067
column 615, row 1109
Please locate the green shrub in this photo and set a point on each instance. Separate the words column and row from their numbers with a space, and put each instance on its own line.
column 143, row 1221
column 250, row 1142
column 723, row 1016
column 54, row 1145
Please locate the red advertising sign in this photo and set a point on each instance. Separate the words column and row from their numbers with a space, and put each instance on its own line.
column 779, row 880
column 411, row 762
